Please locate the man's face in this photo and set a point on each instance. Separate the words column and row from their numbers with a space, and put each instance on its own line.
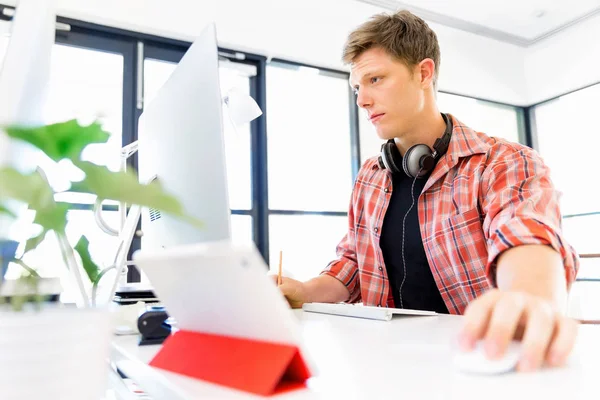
column 391, row 94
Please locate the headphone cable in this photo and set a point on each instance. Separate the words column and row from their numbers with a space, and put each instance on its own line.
column 412, row 194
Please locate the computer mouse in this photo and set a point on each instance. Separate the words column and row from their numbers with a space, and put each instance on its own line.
column 477, row 362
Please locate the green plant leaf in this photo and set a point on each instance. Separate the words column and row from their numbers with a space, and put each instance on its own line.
column 124, row 186
column 79, row 187
column 61, row 140
column 32, row 189
column 53, row 218
column 82, row 248
column 35, row 241
column 4, row 210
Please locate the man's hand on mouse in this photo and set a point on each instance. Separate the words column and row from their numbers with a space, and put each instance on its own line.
column 498, row 316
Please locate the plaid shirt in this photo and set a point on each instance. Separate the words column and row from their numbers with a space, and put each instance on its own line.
column 484, row 196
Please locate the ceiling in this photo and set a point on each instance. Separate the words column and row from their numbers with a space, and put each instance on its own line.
column 520, row 22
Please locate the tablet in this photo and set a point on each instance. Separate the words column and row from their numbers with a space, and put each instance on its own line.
column 221, row 288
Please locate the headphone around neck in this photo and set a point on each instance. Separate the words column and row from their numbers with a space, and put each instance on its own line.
column 419, row 159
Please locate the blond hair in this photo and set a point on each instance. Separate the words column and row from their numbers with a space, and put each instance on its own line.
column 402, row 35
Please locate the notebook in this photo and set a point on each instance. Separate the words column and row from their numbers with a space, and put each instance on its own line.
column 361, row 311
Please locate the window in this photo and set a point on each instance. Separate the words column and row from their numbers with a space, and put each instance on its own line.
column 564, row 126
column 85, row 82
column 309, row 165
column 308, row 242
column 241, row 228
column 370, row 143
column 309, row 150
column 584, row 297
column 493, row 119
column 583, row 231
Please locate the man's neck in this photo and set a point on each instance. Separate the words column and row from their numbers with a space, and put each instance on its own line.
column 430, row 127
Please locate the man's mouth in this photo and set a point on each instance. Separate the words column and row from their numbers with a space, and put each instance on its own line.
column 376, row 117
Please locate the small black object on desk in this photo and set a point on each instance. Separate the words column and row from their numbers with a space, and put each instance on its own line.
column 153, row 326
column 132, row 295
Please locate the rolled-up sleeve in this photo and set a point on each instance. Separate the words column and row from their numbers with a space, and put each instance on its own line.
column 345, row 267
column 521, row 207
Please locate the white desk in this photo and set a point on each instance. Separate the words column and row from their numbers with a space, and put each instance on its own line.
column 408, row 357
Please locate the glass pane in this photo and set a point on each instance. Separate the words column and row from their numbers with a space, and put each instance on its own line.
column 237, row 139
column 156, row 73
column 370, row 143
column 490, row 118
column 87, row 85
column 584, row 300
column 583, row 233
column 309, row 153
column 589, row 268
column 237, row 143
column 565, row 126
column 241, row 229
column 308, row 243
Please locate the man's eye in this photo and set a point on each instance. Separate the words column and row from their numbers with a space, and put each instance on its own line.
column 375, row 79
column 355, row 91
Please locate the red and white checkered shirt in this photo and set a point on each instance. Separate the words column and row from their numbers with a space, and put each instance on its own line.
column 484, row 196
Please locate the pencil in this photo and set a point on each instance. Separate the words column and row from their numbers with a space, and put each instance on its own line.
column 279, row 273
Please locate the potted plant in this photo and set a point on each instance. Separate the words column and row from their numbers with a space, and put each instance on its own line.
column 54, row 352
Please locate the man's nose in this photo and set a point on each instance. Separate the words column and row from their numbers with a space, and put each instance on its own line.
column 363, row 100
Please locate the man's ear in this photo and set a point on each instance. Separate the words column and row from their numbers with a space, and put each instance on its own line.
column 426, row 70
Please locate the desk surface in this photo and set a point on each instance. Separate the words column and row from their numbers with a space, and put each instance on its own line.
column 408, row 357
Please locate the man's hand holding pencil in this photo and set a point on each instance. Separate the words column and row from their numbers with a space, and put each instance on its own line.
column 322, row 289
column 292, row 289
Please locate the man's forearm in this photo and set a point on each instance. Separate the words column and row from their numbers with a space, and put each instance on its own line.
column 534, row 269
column 326, row 289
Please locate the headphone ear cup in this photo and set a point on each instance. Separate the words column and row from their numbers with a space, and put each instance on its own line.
column 417, row 159
column 389, row 156
column 428, row 162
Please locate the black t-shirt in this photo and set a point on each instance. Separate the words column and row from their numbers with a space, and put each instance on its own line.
column 419, row 291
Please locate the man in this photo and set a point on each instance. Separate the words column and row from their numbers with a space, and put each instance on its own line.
column 471, row 227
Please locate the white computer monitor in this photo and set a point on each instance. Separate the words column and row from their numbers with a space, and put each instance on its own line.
column 181, row 143
column 25, row 71
column 24, row 74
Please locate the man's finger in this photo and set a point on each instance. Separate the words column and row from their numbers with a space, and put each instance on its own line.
column 476, row 319
column 503, row 323
column 538, row 332
column 564, row 340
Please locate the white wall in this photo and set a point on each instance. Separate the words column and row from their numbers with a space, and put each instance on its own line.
column 476, row 66
column 564, row 62
column 311, row 31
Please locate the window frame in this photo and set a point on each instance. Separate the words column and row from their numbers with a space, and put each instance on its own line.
column 354, row 132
